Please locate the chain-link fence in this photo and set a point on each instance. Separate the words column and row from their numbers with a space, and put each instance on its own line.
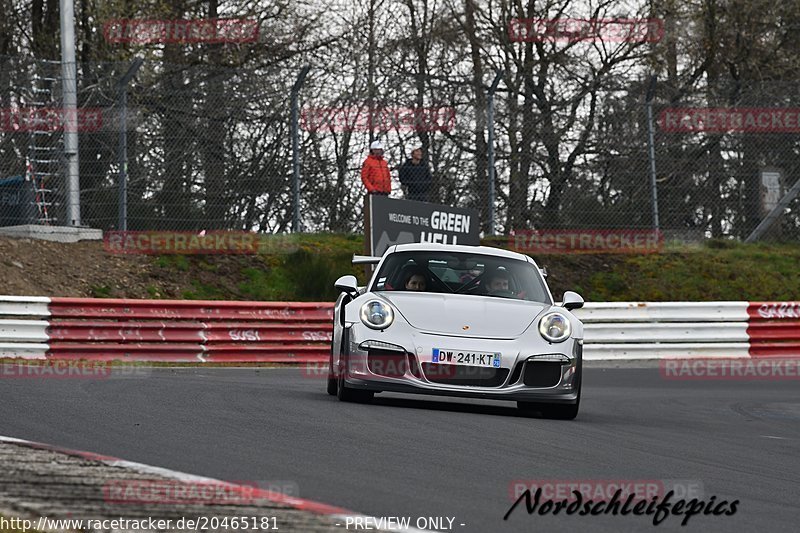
column 210, row 147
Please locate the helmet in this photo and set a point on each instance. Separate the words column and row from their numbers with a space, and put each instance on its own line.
column 376, row 145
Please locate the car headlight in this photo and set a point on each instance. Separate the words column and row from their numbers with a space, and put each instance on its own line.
column 555, row 327
column 377, row 315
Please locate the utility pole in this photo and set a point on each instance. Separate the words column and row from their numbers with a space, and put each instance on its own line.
column 69, row 75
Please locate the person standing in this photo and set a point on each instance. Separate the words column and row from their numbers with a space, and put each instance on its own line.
column 376, row 178
column 415, row 177
column 375, row 171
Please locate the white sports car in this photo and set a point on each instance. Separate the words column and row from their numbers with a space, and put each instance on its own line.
column 469, row 321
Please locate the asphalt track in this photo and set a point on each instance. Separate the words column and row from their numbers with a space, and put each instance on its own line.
column 417, row 456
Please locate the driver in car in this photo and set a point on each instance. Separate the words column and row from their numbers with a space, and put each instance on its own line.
column 497, row 283
column 416, row 281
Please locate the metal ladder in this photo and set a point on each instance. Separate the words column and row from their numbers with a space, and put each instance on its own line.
column 45, row 148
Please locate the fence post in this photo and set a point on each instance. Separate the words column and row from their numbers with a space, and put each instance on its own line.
column 651, row 90
column 296, row 148
column 490, row 119
column 122, row 91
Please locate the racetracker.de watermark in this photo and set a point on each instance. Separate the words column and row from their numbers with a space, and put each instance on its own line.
column 563, row 241
column 387, row 367
column 49, row 119
column 191, row 243
column 604, row 489
column 577, row 29
column 731, row 369
column 396, row 366
column 359, row 118
column 171, row 492
column 730, row 119
column 147, row 31
column 68, row 369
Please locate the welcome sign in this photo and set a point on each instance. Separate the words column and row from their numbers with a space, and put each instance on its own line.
column 393, row 221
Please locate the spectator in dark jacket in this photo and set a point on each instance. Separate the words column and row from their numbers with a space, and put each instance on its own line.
column 415, row 177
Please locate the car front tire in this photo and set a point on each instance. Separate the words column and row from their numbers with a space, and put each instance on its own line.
column 333, row 386
column 343, row 392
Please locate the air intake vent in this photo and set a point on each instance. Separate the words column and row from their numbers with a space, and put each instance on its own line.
column 542, row 373
column 388, row 363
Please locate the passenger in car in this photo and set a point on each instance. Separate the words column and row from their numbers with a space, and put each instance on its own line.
column 468, row 276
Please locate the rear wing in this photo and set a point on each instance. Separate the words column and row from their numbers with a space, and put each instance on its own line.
column 366, row 260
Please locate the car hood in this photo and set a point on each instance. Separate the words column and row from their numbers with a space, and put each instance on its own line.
column 465, row 315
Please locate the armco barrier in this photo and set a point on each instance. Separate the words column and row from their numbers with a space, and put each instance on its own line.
column 774, row 329
column 656, row 330
column 216, row 331
column 633, row 330
column 165, row 330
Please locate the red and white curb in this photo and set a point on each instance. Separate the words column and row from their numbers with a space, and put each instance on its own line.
column 338, row 514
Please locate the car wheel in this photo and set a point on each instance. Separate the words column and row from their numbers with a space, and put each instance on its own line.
column 343, row 392
column 333, row 386
column 554, row 411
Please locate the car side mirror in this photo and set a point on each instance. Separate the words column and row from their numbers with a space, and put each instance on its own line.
column 572, row 300
column 347, row 284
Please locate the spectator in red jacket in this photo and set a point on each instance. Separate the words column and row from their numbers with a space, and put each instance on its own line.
column 375, row 171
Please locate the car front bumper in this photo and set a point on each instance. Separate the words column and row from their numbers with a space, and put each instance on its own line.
column 520, row 376
column 512, row 393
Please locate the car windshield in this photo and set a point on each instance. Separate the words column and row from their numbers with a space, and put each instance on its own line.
column 461, row 273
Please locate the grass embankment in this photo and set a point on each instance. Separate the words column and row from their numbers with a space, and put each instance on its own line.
column 303, row 271
column 716, row 270
column 719, row 271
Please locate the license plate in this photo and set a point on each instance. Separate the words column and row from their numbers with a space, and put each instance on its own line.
column 462, row 357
